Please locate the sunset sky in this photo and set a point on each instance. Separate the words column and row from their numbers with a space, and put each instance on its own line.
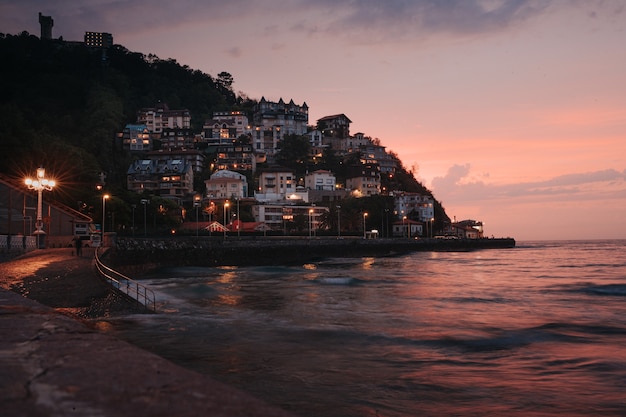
column 512, row 112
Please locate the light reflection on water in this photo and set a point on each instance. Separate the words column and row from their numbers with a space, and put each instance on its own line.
column 535, row 330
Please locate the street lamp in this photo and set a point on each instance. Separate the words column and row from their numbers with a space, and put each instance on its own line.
column 226, row 204
column 364, row 216
column 338, row 221
column 145, row 203
column 134, row 206
column 105, row 197
column 310, row 222
column 238, row 220
column 196, row 204
column 407, row 233
column 39, row 184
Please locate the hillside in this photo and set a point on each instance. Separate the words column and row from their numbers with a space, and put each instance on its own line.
column 62, row 103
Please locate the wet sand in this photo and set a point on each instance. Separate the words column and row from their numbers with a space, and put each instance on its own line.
column 68, row 283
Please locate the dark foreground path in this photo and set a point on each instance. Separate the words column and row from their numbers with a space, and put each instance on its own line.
column 55, row 364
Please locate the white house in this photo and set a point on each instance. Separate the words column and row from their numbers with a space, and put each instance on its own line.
column 226, row 184
column 320, row 180
column 276, row 185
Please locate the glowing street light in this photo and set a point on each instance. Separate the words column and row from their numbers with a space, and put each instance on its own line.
column 40, row 184
column 403, row 220
column 226, row 204
column 364, row 217
column 105, row 197
column 310, row 222
column 196, row 204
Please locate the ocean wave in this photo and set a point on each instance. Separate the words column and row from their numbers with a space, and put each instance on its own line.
column 338, row 280
column 608, row 289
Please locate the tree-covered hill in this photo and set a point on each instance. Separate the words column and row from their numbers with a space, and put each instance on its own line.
column 62, row 104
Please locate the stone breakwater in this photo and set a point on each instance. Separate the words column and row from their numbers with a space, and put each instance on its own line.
column 147, row 253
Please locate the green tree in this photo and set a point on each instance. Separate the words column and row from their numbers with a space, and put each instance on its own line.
column 294, row 152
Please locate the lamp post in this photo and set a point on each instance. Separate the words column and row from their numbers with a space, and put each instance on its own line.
column 145, row 203
column 211, row 209
column 196, row 204
column 134, row 206
column 226, row 204
column 339, row 221
column 40, row 184
column 310, row 222
column 105, row 197
column 407, row 233
column 364, row 216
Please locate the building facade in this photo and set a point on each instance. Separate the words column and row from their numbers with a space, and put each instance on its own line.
column 320, row 180
column 364, row 180
column 170, row 178
column 136, row 138
column 414, row 205
column 336, row 126
column 225, row 184
column 276, row 185
column 192, row 157
column 161, row 117
column 225, row 128
column 175, row 138
column 273, row 120
column 98, row 39
column 278, row 216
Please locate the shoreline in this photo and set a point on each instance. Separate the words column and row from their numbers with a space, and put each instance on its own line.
column 57, row 361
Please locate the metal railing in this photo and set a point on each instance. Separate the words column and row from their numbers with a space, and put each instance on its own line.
column 142, row 294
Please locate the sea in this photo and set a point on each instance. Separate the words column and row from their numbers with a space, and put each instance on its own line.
column 535, row 330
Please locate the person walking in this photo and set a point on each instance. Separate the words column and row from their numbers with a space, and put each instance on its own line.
column 79, row 246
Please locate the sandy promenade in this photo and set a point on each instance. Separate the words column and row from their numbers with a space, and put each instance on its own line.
column 54, row 360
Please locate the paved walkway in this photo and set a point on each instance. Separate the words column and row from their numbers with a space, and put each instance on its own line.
column 55, row 365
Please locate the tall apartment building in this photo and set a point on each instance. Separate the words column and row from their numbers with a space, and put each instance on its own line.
column 273, row 120
column 172, row 178
column 225, row 127
column 193, row 157
column 161, row 117
column 177, row 138
column 414, row 206
column 136, row 138
column 235, row 156
column 98, row 39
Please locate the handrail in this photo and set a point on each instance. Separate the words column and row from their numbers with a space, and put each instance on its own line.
column 142, row 294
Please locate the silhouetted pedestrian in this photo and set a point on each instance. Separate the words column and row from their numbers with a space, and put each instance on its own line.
column 79, row 247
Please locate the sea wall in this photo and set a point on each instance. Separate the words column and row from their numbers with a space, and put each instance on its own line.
column 147, row 253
